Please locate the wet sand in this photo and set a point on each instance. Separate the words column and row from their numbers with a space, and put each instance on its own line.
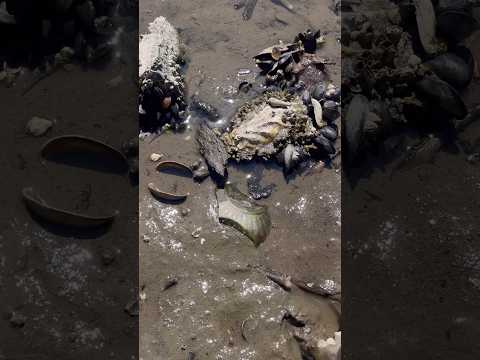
column 69, row 287
column 220, row 274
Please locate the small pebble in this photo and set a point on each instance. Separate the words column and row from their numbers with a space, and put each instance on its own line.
column 17, row 320
column 38, row 126
column 155, row 157
column 107, row 257
column 196, row 232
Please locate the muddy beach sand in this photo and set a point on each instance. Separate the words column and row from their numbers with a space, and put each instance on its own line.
column 221, row 283
column 60, row 282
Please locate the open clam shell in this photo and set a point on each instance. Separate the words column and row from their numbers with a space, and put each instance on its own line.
column 165, row 196
column 40, row 208
column 174, row 168
column 239, row 211
column 85, row 152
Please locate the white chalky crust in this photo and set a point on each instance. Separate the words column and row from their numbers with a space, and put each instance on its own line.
column 159, row 50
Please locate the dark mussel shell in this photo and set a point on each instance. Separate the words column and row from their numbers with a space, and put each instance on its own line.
column 452, row 69
column 324, row 144
column 265, row 65
column 440, row 93
column 318, row 92
column 306, row 97
column 329, row 132
column 285, row 60
column 455, row 25
column 330, row 111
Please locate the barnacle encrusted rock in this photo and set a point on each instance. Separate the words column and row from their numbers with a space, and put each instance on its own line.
column 262, row 130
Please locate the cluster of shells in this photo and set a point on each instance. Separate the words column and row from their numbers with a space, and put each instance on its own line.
column 161, row 102
column 82, row 28
column 295, row 118
column 161, row 83
column 393, row 79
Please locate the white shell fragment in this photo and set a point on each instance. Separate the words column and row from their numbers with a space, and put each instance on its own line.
column 160, row 44
column 155, row 157
column 426, row 23
column 329, row 349
column 318, row 111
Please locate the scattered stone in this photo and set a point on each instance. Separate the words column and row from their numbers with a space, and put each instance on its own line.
column 64, row 56
column 185, row 212
column 17, row 320
column 108, row 257
column 196, row 232
column 201, row 173
column 473, row 158
column 130, row 147
column 117, row 80
column 38, row 126
column 132, row 308
column 329, row 349
column 155, row 157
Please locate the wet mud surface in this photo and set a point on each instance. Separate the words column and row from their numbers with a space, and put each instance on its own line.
column 413, row 237
column 220, row 283
column 64, row 291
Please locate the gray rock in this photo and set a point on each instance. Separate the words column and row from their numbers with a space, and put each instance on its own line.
column 38, row 126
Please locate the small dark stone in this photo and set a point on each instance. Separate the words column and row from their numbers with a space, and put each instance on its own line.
column 108, row 257
column 130, row 147
column 200, row 173
column 132, row 308
column 17, row 320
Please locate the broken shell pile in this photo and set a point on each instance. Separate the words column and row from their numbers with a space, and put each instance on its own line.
column 291, row 121
column 267, row 124
column 392, row 80
column 161, row 96
column 294, row 119
column 69, row 29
